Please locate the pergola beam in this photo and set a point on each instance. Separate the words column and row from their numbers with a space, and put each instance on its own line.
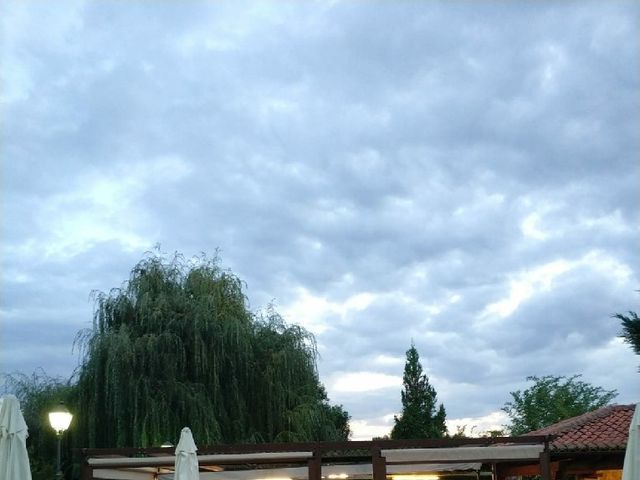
column 382, row 453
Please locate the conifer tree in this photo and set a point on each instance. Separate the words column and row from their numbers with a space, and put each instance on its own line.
column 630, row 330
column 420, row 418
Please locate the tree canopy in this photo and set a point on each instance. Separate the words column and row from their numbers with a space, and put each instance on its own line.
column 551, row 399
column 37, row 394
column 419, row 417
column 177, row 345
column 630, row 330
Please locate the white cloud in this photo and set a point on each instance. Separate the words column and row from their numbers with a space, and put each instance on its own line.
column 476, row 426
column 387, row 360
column 104, row 206
column 553, row 63
column 612, row 222
column 314, row 311
column 368, row 429
column 598, row 369
column 530, row 227
column 527, row 284
column 360, row 382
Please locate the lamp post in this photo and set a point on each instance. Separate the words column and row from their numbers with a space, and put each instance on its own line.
column 60, row 418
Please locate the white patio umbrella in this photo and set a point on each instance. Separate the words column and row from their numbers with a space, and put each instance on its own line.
column 186, row 457
column 14, row 461
column 631, row 468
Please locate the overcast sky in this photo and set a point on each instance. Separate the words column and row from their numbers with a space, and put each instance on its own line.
column 463, row 174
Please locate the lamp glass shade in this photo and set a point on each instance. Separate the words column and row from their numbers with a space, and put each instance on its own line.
column 60, row 418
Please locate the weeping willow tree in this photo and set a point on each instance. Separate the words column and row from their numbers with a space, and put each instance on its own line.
column 177, row 346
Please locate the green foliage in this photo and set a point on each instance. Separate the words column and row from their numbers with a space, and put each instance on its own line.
column 419, row 418
column 176, row 346
column 630, row 330
column 551, row 399
column 38, row 394
column 461, row 432
column 500, row 432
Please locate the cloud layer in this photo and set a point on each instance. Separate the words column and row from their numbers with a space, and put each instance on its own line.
column 463, row 175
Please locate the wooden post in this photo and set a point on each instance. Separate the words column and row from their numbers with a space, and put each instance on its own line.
column 545, row 464
column 379, row 465
column 315, row 466
column 87, row 472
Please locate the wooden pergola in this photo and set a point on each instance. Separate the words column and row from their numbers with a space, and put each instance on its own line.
column 357, row 460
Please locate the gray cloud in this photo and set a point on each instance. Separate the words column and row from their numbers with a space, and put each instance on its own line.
column 470, row 168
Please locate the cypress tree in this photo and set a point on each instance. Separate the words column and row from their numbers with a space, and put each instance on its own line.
column 420, row 418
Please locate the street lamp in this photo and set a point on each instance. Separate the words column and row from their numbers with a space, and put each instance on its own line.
column 60, row 418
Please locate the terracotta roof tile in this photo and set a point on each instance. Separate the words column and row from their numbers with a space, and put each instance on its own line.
column 604, row 429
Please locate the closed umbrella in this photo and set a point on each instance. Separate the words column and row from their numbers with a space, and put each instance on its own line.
column 186, row 457
column 14, row 461
column 631, row 468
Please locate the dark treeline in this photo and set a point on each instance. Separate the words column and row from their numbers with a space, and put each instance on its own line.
column 177, row 346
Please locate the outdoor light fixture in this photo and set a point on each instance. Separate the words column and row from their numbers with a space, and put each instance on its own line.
column 340, row 476
column 60, row 419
